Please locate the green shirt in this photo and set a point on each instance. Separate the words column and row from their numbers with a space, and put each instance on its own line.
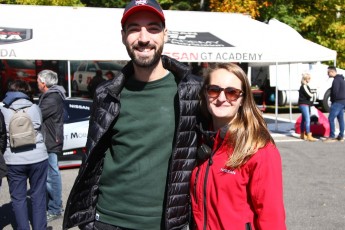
column 133, row 180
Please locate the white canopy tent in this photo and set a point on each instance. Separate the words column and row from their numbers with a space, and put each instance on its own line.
column 85, row 33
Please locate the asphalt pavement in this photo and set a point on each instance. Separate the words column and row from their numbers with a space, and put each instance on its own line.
column 313, row 177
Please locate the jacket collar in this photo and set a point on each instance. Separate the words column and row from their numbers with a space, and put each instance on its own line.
column 10, row 97
column 178, row 69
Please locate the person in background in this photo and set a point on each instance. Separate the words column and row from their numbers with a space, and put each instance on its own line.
column 3, row 143
column 94, row 82
column 142, row 141
column 51, row 103
column 110, row 75
column 237, row 183
column 305, row 97
column 338, row 105
column 26, row 163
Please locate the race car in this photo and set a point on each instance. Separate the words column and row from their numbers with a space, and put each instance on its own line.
column 76, row 125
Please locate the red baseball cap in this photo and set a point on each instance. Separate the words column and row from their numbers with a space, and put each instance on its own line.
column 138, row 5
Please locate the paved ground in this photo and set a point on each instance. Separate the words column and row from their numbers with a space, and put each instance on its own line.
column 313, row 173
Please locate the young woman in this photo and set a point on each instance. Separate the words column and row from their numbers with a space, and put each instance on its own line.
column 237, row 183
column 304, row 102
column 26, row 163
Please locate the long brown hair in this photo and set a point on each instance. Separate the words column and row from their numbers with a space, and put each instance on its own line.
column 248, row 130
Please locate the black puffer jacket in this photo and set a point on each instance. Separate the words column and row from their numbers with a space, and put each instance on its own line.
column 80, row 208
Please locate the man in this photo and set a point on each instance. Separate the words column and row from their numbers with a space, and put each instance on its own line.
column 110, row 75
column 95, row 81
column 51, row 103
column 141, row 143
column 338, row 105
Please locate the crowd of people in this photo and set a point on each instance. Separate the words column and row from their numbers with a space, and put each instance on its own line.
column 166, row 149
column 337, row 98
column 34, row 162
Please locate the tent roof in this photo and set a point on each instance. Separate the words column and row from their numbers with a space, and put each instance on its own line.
column 86, row 33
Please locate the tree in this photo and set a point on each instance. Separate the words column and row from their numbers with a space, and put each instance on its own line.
column 322, row 22
column 44, row 2
column 105, row 3
column 236, row 6
column 166, row 4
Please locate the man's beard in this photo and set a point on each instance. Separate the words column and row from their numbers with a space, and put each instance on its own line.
column 146, row 61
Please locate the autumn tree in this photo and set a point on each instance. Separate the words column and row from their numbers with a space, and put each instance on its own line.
column 249, row 7
column 166, row 4
column 322, row 22
column 44, row 2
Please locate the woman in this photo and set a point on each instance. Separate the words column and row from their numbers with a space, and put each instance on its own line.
column 304, row 103
column 27, row 162
column 237, row 185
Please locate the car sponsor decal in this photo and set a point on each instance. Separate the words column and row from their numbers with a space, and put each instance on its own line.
column 206, row 40
column 75, row 135
column 14, row 35
column 84, row 107
column 199, row 39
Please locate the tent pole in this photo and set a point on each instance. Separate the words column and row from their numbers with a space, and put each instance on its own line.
column 69, row 78
column 290, row 103
column 276, row 107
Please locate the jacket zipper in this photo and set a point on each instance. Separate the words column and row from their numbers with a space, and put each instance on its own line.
column 210, row 162
column 195, row 183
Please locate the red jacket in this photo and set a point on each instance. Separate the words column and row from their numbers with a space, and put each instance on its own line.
column 247, row 198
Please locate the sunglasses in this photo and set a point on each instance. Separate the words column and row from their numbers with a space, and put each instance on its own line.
column 231, row 94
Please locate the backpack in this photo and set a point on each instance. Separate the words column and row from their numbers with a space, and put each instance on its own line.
column 21, row 130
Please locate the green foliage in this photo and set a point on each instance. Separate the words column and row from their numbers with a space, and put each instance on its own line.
column 45, row 2
column 192, row 5
column 105, row 3
column 181, row 6
column 319, row 21
column 166, row 4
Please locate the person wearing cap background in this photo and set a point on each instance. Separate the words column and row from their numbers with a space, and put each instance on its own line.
column 141, row 143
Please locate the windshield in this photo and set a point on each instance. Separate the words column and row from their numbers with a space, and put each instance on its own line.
column 109, row 66
column 21, row 64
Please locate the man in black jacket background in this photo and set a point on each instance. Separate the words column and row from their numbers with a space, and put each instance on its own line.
column 142, row 142
column 338, row 105
column 94, row 82
column 51, row 104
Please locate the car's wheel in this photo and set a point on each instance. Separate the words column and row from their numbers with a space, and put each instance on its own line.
column 281, row 98
column 326, row 102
